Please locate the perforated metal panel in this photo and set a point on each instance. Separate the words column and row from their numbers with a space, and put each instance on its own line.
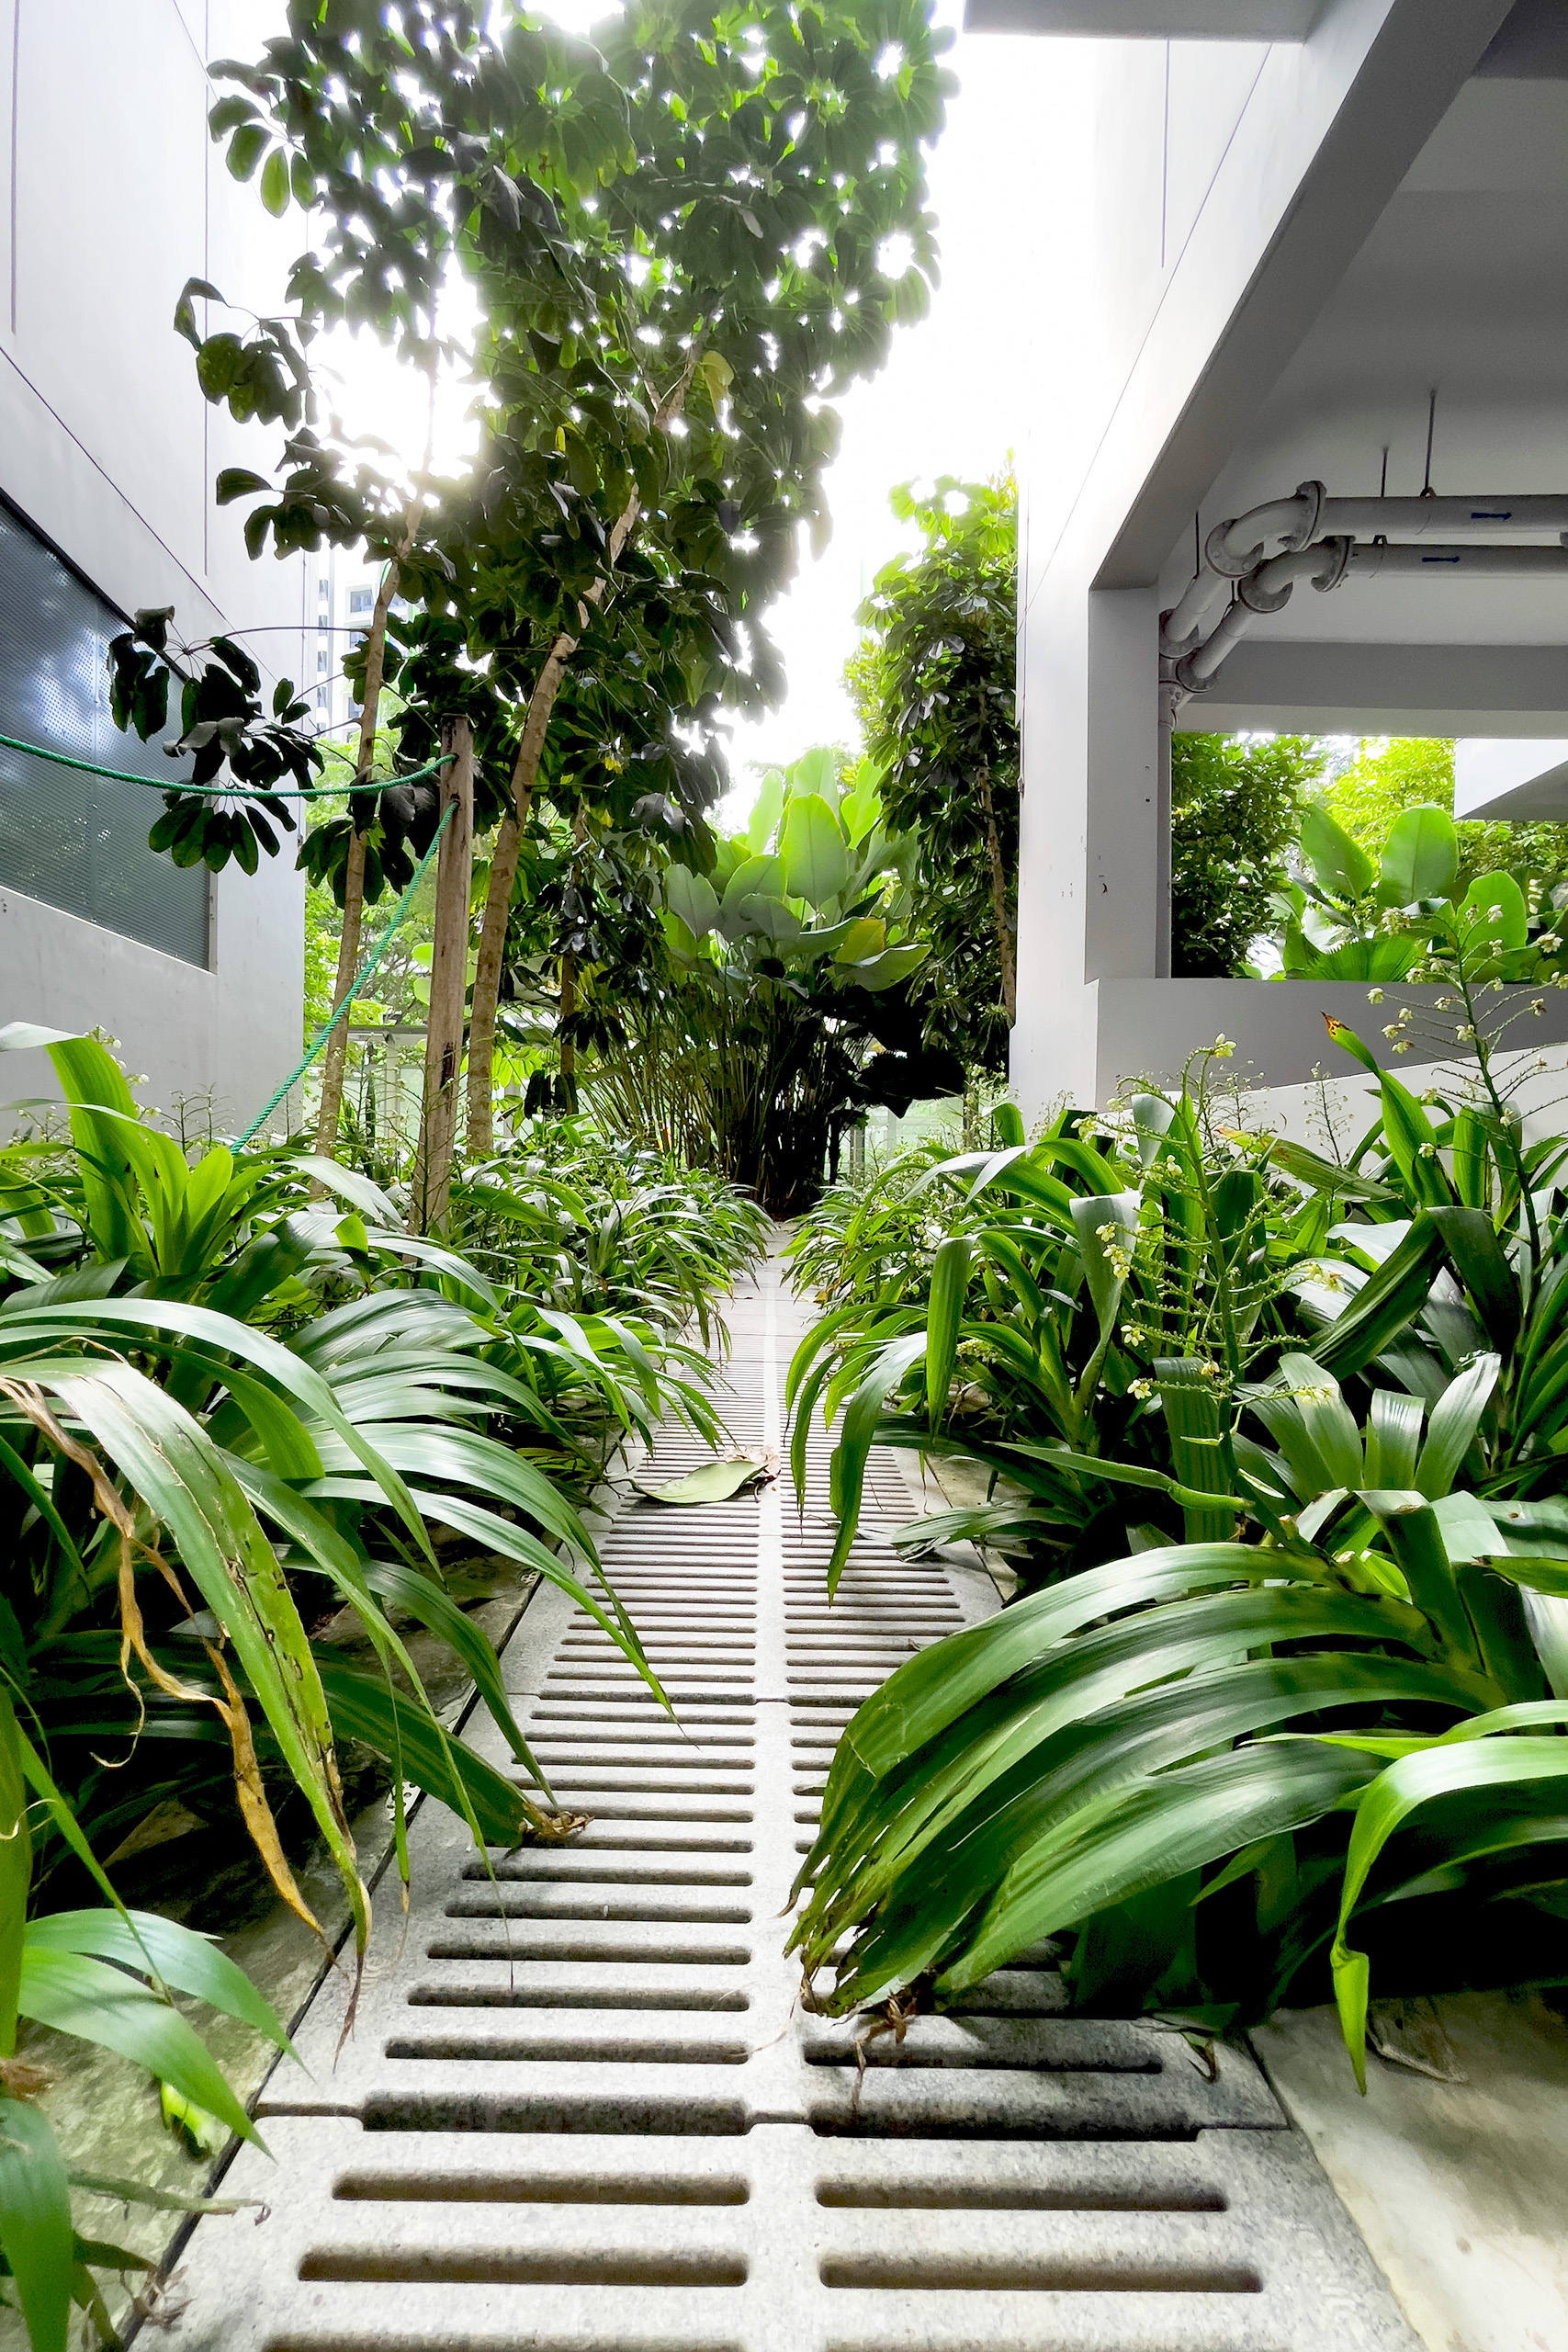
column 75, row 840
column 581, row 2108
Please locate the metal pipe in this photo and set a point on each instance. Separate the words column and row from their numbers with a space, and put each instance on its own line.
column 1235, row 548
column 1195, row 669
column 1369, row 560
column 1269, row 585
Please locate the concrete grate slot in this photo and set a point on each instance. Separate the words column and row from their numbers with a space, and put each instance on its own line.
column 506, row 2266
column 524, row 2188
column 685, row 2116
column 582, row 2109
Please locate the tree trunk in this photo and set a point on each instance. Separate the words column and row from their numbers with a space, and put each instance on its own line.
column 335, row 1060
column 525, row 770
column 336, row 1056
column 999, row 900
column 448, row 983
column 568, row 1044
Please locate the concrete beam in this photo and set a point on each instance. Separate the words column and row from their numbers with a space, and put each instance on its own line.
column 1411, row 70
column 1147, row 1028
column 1148, row 19
column 1520, row 781
column 1317, row 688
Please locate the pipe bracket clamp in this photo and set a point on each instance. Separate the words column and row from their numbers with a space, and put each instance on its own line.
column 1339, row 550
column 1264, row 600
column 1315, row 494
column 1218, row 557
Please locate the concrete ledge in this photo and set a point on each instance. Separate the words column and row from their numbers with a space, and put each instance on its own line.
column 1458, row 2188
column 1147, row 1028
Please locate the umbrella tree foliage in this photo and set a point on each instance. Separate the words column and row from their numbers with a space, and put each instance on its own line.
column 934, row 683
column 1278, row 1447
column 684, row 239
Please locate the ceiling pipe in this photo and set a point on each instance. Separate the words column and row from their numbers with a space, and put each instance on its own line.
column 1268, row 587
column 1233, row 550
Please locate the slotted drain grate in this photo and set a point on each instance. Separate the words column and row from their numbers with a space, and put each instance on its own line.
column 582, row 2110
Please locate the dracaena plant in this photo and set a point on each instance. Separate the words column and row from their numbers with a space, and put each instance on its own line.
column 1328, row 1725
column 1076, row 1322
column 106, row 1975
column 190, row 1430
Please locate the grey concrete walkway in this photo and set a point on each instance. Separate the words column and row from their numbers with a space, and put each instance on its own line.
column 581, row 2108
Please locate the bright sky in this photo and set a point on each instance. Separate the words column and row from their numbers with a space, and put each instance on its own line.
column 956, row 396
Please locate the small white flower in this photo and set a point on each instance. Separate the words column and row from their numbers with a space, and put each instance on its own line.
column 1374, row 995
column 1429, row 1151
column 1391, row 1030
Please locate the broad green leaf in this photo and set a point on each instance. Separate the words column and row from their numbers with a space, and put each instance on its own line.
column 811, row 849
column 945, row 1314
column 425, row 1599
column 1384, row 1305
column 919, row 1698
column 446, row 1769
column 1393, row 1438
column 186, row 1961
column 1192, row 1417
column 1491, row 918
column 691, row 897
column 1412, row 1145
column 73, row 1994
column 1455, row 1418
column 1328, row 1420
column 1106, row 1225
column 1339, row 865
column 36, row 2235
column 855, row 1437
column 754, row 877
column 715, row 1482
column 766, row 811
column 815, row 771
column 1421, row 857
column 1154, row 1831
column 887, row 969
column 274, row 183
column 862, row 938
column 1443, row 1770
column 1482, row 1265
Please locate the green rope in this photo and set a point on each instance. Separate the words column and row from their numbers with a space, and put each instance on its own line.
column 224, row 791
column 320, row 1039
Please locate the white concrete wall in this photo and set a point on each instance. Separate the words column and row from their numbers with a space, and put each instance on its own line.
column 111, row 195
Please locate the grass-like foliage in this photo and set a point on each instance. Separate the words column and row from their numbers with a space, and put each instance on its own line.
column 1277, row 1447
column 240, row 1406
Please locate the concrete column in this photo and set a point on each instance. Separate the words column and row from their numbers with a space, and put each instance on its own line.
column 1128, row 838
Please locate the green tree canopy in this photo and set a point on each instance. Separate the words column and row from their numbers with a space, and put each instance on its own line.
column 1387, row 776
column 1235, row 806
column 934, row 683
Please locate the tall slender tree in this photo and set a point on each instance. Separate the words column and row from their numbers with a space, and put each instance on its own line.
column 685, row 240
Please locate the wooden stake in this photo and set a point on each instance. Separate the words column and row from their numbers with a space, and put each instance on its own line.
column 448, row 984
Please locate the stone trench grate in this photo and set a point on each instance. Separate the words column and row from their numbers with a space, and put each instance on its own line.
column 582, row 2110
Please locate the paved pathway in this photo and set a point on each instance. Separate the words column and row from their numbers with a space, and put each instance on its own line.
column 582, row 2111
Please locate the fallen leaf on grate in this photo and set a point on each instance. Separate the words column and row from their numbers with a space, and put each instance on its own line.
column 715, row 1482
